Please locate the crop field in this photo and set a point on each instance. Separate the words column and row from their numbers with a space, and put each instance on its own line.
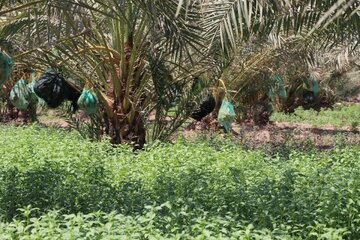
column 56, row 185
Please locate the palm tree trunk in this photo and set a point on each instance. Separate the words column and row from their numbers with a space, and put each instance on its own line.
column 127, row 124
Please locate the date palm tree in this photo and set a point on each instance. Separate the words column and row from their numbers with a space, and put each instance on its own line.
column 140, row 56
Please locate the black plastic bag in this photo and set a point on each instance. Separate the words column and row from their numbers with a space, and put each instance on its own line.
column 53, row 89
column 73, row 96
column 205, row 108
column 309, row 96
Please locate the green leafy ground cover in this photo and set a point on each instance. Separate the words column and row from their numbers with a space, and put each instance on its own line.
column 188, row 190
column 340, row 116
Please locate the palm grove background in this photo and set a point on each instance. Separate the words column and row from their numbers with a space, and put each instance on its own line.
column 142, row 57
column 151, row 65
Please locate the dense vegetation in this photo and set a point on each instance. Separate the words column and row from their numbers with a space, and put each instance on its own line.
column 55, row 184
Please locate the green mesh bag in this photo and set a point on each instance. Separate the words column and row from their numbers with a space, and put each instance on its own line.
column 279, row 85
column 282, row 92
column 6, row 67
column 271, row 94
column 88, row 101
column 20, row 95
column 226, row 115
column 313, row 85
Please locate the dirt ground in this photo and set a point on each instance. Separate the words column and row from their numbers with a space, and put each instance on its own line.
column 322, row 137
column 277, row 133
column 281, row 133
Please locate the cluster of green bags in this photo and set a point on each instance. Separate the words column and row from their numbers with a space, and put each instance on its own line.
column 88, row 101
column 226, row 115
column 278, row 87
column 22, row 94
column 6, row 67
